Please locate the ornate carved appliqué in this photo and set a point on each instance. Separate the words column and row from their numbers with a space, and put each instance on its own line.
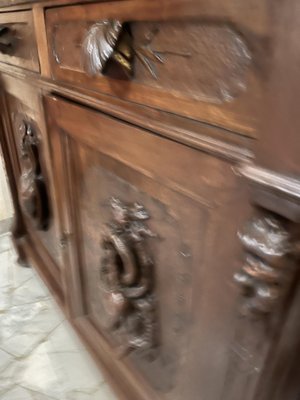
column 33, row 191
column 127, row 276
column 110, row 49
column 268, row 263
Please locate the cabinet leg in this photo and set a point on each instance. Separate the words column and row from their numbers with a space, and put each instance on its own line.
column 22, row 258
column 18, row 228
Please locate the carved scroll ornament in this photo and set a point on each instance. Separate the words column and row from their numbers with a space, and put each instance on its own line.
column 126, row 277
column 109, row 49
column 32, row 191
column 268, row 264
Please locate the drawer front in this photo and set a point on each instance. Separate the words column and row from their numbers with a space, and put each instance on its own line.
column 17, row 40
column 194, row 58
column 147, row 217
column 34, row 178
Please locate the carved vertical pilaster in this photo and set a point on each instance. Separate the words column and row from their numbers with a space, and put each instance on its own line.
column 269, row 263
column 268, row 269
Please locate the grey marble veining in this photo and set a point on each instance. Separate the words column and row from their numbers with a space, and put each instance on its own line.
column 41, row 357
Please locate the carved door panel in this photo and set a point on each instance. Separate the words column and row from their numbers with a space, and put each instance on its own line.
column 33, row 173
column 153, row 250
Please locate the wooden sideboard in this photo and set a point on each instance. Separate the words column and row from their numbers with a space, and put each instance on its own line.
column 152, row 154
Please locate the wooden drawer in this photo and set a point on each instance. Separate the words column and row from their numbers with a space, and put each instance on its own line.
column 33, row 172
column 17, row 40
column 193, row 58
column 146, row 224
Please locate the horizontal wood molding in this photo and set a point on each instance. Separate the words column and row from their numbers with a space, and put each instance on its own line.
column 277, row 192
column 219, row 142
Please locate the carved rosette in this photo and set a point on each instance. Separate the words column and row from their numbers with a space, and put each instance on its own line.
column 127, row 278
column 268, row 263
column 33, row 193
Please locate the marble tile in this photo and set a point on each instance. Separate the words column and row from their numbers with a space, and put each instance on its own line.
column 64, row 339
column 40, row 396
column 102, row 393
column 6, row 225
column 24, row 327
column 5, row 268
column 5, row 298
column 9, row 377
column 74, row 379
column 60, row 370
column 5, row 359
column 31, row 291
column 40, row 375
column 5, row 242
column 41, row 357
column 17, row 393
column 18, row 274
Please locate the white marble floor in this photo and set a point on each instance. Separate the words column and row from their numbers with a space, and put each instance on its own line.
column 41, row 357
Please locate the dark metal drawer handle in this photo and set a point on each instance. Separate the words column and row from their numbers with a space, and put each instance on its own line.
column 6, row 39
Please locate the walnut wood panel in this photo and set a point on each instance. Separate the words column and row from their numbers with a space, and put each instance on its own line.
column 17, row 40
column 195, row 325
column 21, row 110
column 202, row 62
column 151, row 223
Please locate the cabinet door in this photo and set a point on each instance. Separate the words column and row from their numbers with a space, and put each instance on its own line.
column 33, row 172
column 153, row 248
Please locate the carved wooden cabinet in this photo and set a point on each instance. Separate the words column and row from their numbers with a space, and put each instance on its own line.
column 153, row 163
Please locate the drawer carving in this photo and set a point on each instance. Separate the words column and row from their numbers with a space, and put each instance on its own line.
column 206, row 61
column 33, row 191
column 200, row 65
column 127, row 278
